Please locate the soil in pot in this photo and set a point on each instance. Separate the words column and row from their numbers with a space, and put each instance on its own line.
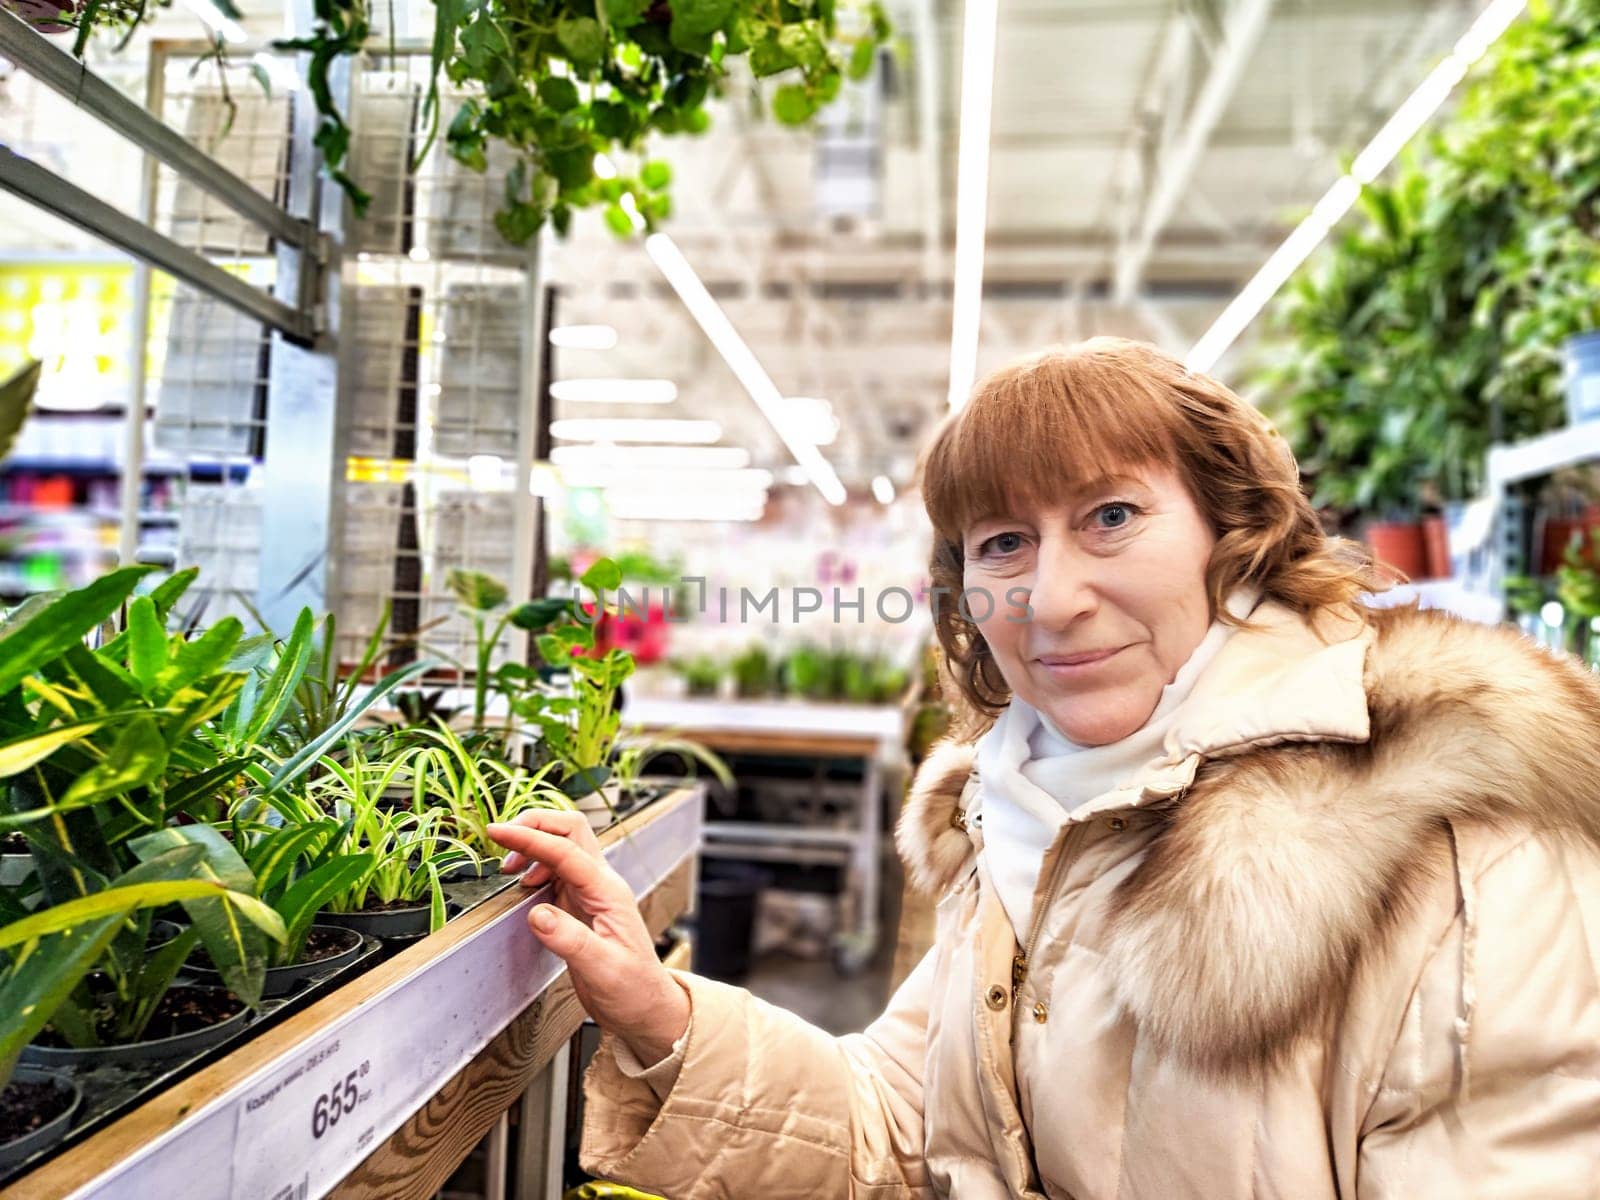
column 383, row 919
column 27, row 1105
column 330, row 944
column 183, row 1009
column 13, row 843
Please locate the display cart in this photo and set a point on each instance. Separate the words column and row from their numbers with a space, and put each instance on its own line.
column 384, row 1087
column 872, row 736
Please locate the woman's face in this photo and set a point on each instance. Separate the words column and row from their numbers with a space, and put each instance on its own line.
column 1097, row 601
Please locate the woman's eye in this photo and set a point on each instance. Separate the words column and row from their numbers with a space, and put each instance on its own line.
column 1001, row 543
column 1117, row 515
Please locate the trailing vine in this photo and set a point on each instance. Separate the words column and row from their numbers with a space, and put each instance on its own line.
column 565, row 81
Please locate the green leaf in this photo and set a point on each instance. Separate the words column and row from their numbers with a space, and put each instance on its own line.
column 602, row 576
column 792, row 104
column 613, row 120
column 311, row 751
column 539, row 614
column 274, row 698
column 623, row 14
column 48, row 630
column 115, row 901
column 768, row 57
column 862, row 58
column 558, row 93
column 138, row 756
column 618, row 221
column 475, row 590
column 147, row 642
column 655, row 175
column 19, row 754
column 195, row 659
column 554, row 651
column 168, row 592
column 16, row 399
column 582, row 39
column 228, row 927
column 111, row 686
column 301, row 903
column 699, row 17
column 185, row 794
column 274, row 858
column 804, row 43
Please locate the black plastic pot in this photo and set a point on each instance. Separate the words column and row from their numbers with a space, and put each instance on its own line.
column 182, row 1045
column 25, row 1147
column 281, row 981
column 385, row 926
column 15, row 869
column 725, row 918
column 482, row 870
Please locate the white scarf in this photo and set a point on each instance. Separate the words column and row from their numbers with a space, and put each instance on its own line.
column 1033, row 777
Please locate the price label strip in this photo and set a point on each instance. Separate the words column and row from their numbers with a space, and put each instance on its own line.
column 304, row 1121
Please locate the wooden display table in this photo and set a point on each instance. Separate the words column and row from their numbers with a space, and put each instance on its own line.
column 382, row 1088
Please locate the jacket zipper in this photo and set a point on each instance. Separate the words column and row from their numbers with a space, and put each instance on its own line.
column 1019, row 962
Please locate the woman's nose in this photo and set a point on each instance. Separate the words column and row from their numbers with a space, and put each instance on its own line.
column 1064, row 587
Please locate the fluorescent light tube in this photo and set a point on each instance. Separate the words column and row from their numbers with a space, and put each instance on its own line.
column 883, row 489
column 812, row 419
column 641, row 429
column 747, row 369
column 652, row 508
column 1378, row 153
column 584, row 337
column 614, row 391
column 713, row 458
column 972, row 194
column 670, row 483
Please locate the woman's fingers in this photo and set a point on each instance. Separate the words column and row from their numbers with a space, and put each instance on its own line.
column 561, row 932
column 579, row 868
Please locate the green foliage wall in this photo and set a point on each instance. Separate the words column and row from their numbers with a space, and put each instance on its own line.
column 1433, row 326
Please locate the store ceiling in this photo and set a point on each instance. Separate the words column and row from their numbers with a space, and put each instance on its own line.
column 1093, row 101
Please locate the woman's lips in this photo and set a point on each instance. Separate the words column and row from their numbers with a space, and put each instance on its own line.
column 1065, row 666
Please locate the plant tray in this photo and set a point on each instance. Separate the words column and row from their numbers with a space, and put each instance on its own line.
column 111, row 1091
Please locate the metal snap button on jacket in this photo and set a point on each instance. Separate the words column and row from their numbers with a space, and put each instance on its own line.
column 995, row 997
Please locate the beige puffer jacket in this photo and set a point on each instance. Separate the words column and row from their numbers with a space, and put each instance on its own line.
column 1343, row 943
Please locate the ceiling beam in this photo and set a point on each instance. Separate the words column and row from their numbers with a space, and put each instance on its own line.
column 1245, row 22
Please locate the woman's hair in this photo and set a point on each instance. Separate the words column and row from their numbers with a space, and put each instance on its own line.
column 1034, row 430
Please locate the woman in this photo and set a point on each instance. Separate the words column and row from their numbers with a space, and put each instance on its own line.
column 1246, row 890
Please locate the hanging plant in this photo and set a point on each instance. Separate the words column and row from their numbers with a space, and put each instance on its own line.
column 566, row 81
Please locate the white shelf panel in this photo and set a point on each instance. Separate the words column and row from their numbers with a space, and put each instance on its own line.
column 885, row 722
column 1544, row 454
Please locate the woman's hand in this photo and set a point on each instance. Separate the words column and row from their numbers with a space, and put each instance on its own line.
column 596, row 927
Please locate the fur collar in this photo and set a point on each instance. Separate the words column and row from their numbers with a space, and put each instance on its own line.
column 1284, row 863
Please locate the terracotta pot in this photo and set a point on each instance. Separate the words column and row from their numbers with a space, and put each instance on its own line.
column 1399, row 544
column 1556, row 535
column 1436, row 544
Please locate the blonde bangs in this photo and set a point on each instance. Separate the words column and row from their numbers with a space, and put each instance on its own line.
column 1039, row 430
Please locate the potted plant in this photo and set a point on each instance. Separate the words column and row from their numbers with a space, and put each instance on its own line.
column 44, row 958
column 701, row 674
column 406, row 855
column 479, row 790
column 296, row 870
column 585, row 80
column 104, row 749
column 753, row 672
